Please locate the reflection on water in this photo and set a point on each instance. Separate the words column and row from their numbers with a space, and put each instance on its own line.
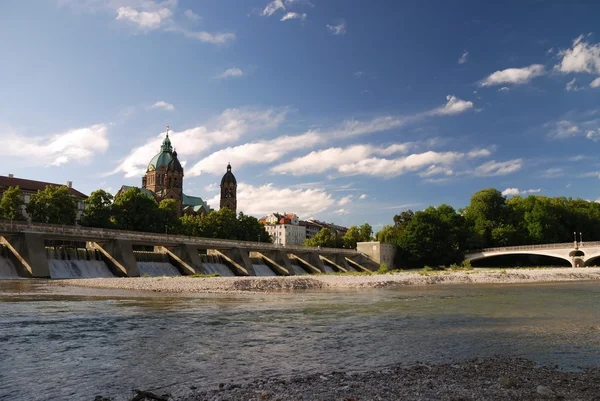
column 61, row 343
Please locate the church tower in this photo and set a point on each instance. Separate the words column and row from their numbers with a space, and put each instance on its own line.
column 229, row 190
column 164, row 176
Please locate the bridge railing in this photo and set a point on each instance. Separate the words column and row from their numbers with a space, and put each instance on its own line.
column 538, row 246
column 104, row 233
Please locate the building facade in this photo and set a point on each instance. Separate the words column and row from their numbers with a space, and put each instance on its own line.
column 378, row 251
column 30, row 187
column 314, row 226
column 284, row 229
column 229, row 190
column 164, row 180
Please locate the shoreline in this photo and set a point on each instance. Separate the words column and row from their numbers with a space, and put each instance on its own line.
column 182, row 284
column 494, row 378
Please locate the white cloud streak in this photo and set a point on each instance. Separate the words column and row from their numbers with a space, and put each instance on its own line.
column 516, row 192
column 231, row 73
column 595, row 83
column 464, row 58
column 338, row 29
column 272, row 7
column 163, row 105
column 294, row 15
column 494, row 168
column 581, row 57
column 515, row 76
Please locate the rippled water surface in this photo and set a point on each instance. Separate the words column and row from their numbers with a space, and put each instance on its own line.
column 72, row 344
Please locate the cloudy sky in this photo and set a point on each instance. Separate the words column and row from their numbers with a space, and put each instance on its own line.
column 347, row 111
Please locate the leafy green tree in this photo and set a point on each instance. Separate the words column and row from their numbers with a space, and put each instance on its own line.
column 324, row 238
column 134, row 210
column 249, row 229
column 402, row 219
column 351, row 237
column 366, row 232
column 192, row 225
column 98, row 210
column 168, row 216
column 11, row 204
column 486, row 211
column 387, row 234
column 53, row 205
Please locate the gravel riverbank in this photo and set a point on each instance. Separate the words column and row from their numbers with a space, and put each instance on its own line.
column 481, row 379
column 333, row 281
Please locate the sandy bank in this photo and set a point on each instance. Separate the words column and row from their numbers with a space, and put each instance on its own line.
column 274, row 284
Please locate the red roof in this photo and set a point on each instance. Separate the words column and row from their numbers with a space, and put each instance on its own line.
column 33, row 186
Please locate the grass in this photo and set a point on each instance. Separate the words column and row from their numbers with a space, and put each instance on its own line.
column 199, row 275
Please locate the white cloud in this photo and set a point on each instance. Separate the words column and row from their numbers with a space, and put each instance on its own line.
column 550, row 51
column 264, row 199
column 562, row 129
column 272, row 7
column 595, row 83
column 514, row 76
column 593, row 135
column 516, row 192
column 206, row 37
column 504, row 89
column 341, row 212
column 231, row 73
column 494, row 168
column 362, row 196
column 345, row 200
column 554, row 172
column 163, row 105
column 144, row 20
column 192, row 16
column 228, row 127
column 453, row 105
column 436, row 170
column 362, row 160
column 259, row 152
column 293, row 15
column 571, row 87
column 339, row 29
column 464, row 58
column 581, row 57
column 76, row 145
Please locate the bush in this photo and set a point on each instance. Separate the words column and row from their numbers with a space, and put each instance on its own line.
column 466, row 265
column 383, row 269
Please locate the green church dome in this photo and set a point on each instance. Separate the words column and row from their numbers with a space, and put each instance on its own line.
column 164, row 157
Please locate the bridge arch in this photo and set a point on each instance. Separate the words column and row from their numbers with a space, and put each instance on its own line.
column 563, row 256
column 592, row 259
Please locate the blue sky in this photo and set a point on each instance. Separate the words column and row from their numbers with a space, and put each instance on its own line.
column 346, row 111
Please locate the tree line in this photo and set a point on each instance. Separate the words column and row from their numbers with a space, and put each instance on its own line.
column 441, row 235
column 129, row 210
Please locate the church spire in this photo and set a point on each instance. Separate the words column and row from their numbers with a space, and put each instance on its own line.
column 166, row 145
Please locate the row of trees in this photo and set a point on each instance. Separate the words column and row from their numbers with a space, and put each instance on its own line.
column 130, row 210
column 330, row 239
column 441, row 235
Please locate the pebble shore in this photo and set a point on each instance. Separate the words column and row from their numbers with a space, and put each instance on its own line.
column 333, row 281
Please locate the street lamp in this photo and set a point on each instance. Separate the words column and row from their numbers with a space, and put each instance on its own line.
column 575, row 237
column 580, row 238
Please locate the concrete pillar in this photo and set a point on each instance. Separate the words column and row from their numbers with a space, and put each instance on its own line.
column 29, row 254
column 361, row 263
column 310, row 260
column 278, row 260
column 238, row 259
column 118, row 255
column 340, row 259
column 328, row 260
column 181, row 257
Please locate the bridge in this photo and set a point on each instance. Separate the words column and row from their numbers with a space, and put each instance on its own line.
column 26, row 244
column 578, row 254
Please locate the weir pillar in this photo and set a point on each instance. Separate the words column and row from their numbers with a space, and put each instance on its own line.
column 236, row 258
column 332, row 261
column 118, row 255
column 310, row 260
column 362, row 262
column 184, row 257
column 29, row 253
column 278, row 260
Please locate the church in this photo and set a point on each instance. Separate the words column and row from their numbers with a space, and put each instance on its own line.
column 164, row 180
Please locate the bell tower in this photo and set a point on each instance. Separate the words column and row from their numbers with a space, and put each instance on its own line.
column 229, row 191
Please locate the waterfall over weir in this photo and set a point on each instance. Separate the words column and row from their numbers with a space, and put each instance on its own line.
column 67, row 262
column 153, row 264
column 260, row 268
column 7, row 268
column 214, row 265
column 298, row 270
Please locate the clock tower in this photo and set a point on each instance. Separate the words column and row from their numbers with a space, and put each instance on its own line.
column 229, row 190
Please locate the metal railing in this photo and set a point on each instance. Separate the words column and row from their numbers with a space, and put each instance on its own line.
column 91, row 233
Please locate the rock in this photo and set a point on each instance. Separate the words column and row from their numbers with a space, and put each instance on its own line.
column 264, row 395
column 506, row 382
column 545, row 391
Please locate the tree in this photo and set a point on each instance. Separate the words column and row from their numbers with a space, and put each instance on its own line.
column 366, row 232
column 402, row 219
column 249, row 229
column 324, row 238
column 387, row 234
column 11, row 204
column 168, row 216
column 136, row 211
column 98, row 210
column 351, row 237
column 53, row 205
column 486, row 211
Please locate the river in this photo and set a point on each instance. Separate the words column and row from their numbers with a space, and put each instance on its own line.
column 63, row 343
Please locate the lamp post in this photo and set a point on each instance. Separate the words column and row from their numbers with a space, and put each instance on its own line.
column 575, row 238
column 580, row 239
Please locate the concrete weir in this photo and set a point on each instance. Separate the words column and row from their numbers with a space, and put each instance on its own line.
column 132, row 254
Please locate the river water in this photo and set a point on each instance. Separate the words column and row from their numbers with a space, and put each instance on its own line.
column 62, row 343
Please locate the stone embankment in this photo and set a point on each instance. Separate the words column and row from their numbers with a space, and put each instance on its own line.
column 334, row 281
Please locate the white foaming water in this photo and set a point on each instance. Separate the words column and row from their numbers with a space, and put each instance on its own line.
column 218, row 268
column 8, row 269
column 298, row 270
column 157, row 269
column 328, row 269
column 263, row 270
column 78, row 269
